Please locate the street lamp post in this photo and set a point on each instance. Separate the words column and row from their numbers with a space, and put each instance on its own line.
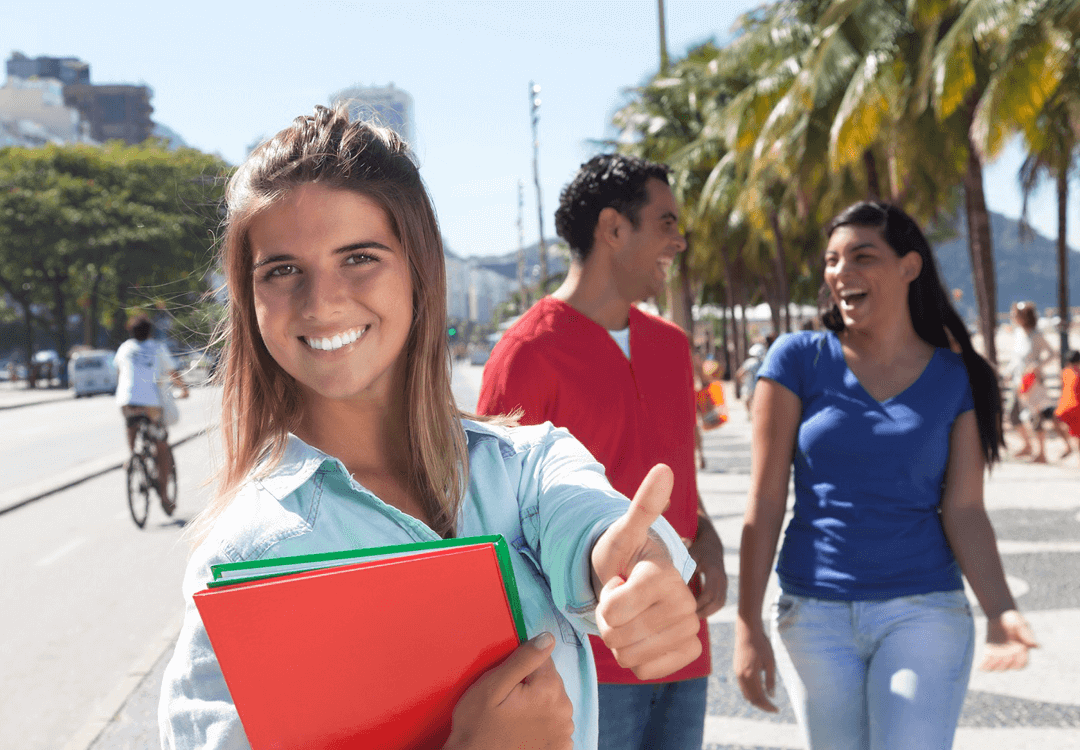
column 534, row 105
column 522, row 288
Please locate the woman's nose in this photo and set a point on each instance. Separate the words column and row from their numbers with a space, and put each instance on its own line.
column 322, row 295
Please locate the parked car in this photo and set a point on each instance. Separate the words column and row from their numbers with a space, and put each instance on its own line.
column 92, row 371
column 479, row 353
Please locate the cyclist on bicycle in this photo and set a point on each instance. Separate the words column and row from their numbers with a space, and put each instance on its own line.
column 141, row 364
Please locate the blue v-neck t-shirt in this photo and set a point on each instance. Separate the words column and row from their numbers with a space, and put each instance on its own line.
column 868, row 475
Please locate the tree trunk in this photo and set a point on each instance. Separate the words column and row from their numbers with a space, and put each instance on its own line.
column 738, row 328
column 728, row 313
column 1063, row 261
column 23, row 300
column 781, row 277
column 873, row 182
column 980, row 245
column 90, row 321
column 60, row 318
column 683, row 301
column 119, row 324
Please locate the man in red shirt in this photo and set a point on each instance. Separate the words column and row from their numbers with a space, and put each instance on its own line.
column 620, row 380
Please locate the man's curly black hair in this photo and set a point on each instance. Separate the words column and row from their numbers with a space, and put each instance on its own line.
column 609, row 180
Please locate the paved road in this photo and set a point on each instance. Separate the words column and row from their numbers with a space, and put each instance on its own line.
column 56, row 439
column 86, row 593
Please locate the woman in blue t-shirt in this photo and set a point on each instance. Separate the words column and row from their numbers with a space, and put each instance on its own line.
column 889, row 430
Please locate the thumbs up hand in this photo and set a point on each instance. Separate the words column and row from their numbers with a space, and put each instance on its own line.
column 646, row 614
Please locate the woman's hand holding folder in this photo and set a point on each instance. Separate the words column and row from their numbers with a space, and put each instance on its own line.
column 646, row 614
column 520, row 703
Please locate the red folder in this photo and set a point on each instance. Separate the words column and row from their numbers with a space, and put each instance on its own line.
column 371, row 653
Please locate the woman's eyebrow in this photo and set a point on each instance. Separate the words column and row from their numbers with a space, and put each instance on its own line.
column 368, row 245
column 272, row 259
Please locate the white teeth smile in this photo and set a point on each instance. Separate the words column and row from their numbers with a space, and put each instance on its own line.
column 335, row 342
column 849, row 295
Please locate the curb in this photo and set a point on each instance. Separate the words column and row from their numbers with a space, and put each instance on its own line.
column 19, row 497
column 18, row 405
column 114, row 702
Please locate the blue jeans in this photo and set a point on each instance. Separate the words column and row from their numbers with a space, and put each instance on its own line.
column 659, row 716
column 876, row 675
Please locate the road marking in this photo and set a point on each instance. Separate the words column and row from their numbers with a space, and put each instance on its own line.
column 69, row 547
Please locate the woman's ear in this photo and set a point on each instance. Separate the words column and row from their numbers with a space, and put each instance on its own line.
column 912, row 266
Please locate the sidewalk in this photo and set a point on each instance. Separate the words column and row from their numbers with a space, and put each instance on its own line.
column 1036, row 511
column 14, row 395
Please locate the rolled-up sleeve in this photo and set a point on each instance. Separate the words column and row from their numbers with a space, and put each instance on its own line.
column 195, row 710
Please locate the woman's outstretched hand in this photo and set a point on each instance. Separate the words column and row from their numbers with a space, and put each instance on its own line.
column 519, row 704
column 1008, row 638
column 755, row 666
column 646, row 613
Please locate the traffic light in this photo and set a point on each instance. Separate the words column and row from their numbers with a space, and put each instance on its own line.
column 452, row 332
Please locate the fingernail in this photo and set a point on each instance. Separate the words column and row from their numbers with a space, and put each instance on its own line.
column 543, row 640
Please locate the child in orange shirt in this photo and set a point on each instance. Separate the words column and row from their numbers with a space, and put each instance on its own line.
column 1068, row 408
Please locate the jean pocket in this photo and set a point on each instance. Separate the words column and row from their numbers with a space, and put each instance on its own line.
column 785, row 611
column 954, row 602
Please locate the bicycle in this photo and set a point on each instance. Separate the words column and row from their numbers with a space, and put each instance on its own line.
column 142, row 476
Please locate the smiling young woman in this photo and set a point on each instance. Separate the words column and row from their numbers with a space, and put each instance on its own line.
column 340, row 432
column 889, row 431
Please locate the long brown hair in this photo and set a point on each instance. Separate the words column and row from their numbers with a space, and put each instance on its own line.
column 260, row 401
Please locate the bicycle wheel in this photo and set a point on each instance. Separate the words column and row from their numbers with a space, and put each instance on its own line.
column 138, row 490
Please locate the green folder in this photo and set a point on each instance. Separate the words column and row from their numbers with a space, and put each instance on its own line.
column 226, row 574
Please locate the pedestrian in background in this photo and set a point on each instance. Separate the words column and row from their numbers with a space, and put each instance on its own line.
column 748, row 370
column 1068, row 408
column 1029, row 403
column 621, row 380
column 341, row 432
column 889, row 431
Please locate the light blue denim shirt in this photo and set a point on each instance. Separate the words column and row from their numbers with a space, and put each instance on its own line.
column 537, row 486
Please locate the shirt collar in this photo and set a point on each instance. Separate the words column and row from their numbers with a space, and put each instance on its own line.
column 300, row 461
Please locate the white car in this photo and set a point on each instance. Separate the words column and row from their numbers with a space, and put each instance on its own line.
column 91, row 372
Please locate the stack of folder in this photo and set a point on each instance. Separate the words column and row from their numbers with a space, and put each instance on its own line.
column 361, row 649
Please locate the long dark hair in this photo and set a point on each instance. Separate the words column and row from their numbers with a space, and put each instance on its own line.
column 932, row 314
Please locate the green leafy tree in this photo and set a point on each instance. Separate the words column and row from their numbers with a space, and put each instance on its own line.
column 101, row 229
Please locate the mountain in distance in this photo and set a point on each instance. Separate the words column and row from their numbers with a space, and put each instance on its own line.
column 1026, row 267
column 506, row 264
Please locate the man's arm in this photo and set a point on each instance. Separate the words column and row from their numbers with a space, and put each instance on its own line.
column 708, row 552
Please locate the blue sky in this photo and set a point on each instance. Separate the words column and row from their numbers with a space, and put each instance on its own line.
column 228, row 73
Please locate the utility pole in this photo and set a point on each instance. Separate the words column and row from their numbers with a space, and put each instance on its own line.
column 534, row 105
column 663, row 38
column 522, row 289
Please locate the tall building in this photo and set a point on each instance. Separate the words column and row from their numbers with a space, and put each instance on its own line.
column 104, row 111
column 64, row 69
column 113, row 111
column 32, row 113
column 386, row 105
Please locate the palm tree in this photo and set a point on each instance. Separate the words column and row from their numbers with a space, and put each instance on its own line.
column 963, row 64
column 1036, row 90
